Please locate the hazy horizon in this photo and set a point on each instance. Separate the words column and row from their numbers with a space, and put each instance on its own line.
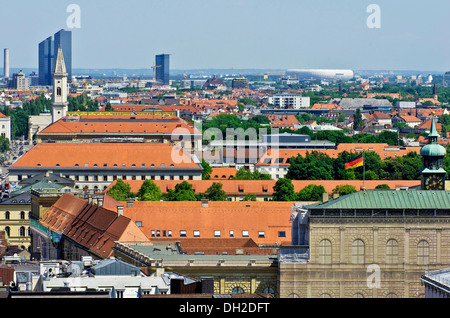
column 239, row 34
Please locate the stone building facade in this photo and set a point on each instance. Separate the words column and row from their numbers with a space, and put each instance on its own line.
column 367, row 257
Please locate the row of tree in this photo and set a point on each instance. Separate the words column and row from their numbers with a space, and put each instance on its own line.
column 183, row 191
column 149, row 191
column 19, row 116
column 319, row 166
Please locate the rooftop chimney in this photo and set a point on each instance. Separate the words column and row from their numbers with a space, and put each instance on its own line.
column 325, row 197
column 120, row 210
column 130, row 202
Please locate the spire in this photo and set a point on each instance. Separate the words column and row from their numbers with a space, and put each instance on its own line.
column 60, row 66
column 433, row 135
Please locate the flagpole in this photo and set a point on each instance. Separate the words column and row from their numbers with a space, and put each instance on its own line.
column 364, row 172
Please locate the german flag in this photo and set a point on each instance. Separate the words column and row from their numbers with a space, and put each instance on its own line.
column 358, row 162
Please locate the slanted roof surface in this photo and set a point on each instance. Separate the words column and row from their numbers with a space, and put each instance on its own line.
column 389, row 199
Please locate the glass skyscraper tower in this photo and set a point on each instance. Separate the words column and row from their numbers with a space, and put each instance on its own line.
column 162, row 72
column 48, row 50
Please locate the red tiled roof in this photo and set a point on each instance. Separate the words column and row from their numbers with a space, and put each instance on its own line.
column 118, row 124
column 113, row 155
column 265, row 187
column 93, row 227
column 254, row 217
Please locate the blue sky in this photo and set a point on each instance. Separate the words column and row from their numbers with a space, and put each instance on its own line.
column 260, row 34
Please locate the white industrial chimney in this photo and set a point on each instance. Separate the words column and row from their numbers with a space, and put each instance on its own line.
column 6, row 64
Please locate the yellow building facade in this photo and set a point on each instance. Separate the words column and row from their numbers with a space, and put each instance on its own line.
column 15, row 220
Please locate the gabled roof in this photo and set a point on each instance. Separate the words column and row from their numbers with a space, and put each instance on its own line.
column 51, row 177
column 113, row 124
column 93, row 227
column 21, row 199
column 269, row 217
column 106, row 156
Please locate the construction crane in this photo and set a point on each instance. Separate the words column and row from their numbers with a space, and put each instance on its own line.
column 184, row 76
column 443, row 78
column 154, row 67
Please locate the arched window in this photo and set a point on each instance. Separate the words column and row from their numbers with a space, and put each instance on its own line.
column 237, row 290
column 22, row 231
column 8, row 230
column 325, row 252
column 423, row 253
column 7, row 215
column 358, row 252
column 22, row 215
column 392, row 251
column 58, row 91
column 269, row 290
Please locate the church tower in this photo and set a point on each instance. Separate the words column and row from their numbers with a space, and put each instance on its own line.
column 60, row 104
column 433, row 173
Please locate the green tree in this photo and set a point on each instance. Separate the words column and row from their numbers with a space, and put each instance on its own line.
column 313, row 166
column 183, row 192
column 344, row 189
column 357, row 119
column 311, row 192
column 245, row 174
column 382, row 186
column 120, row 191
column 215, row 192
column 284, row 190
column 4, row 144
column 149, row 191
column 250, row 197
column 207, row 170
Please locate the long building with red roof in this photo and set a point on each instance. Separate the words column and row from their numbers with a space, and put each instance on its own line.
column 148, row 127
column 95, row 165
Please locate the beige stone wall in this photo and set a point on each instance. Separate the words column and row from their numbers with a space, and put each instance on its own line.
column 399, row 275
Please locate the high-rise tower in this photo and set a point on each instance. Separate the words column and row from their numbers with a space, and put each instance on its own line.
column 60, row 104
column 48, row 50
column 162, row 72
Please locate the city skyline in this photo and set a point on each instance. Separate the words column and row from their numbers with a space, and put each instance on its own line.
column 245, row 34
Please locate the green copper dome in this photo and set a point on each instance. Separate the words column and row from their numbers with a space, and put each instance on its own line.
column 433, row 150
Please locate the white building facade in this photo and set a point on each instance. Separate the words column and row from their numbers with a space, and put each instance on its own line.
column 292, row 101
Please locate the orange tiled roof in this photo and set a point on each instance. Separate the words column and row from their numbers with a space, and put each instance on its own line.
column 97, row 155
column 238, row 188
column 91, row 226
column 429, row 112
column 223, row 173
column 283, row 121
column 410, row 119
column 326, row 106
column 118, row 124
column 427, row 125
column 382, row 149
column 269, row 217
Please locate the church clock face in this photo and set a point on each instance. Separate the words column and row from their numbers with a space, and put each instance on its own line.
column 434, row 182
